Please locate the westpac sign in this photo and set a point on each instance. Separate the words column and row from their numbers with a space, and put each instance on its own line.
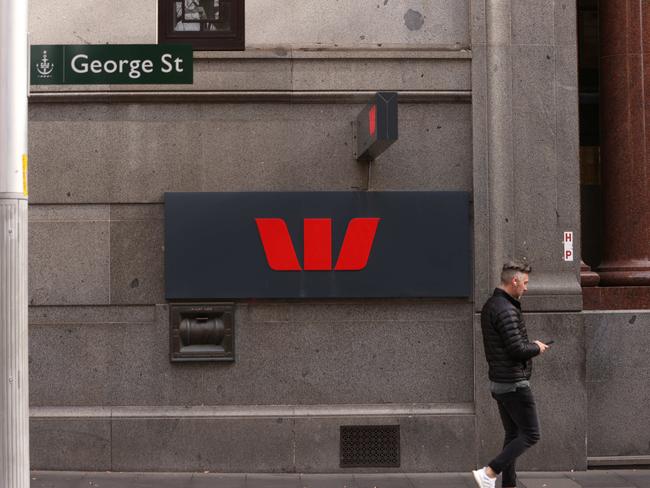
column 317, row 238
column 317, row 245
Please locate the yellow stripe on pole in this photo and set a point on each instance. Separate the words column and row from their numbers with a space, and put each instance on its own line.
column 25, row 192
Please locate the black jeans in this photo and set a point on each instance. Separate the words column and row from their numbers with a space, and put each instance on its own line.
column 519, row 418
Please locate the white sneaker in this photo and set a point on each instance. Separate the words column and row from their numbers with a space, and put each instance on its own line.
column 482, row 479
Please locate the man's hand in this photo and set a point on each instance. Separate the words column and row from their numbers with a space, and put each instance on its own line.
column 542, row 347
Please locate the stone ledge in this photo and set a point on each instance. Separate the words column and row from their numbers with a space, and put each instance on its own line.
column 280, row 96
column 254, row 411
column 383, row 51
column 601, row 461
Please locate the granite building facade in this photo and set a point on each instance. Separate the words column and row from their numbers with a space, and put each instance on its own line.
column 489, row 98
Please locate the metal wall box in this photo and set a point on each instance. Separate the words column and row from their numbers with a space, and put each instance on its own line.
column 370, row 446
column 202, row 332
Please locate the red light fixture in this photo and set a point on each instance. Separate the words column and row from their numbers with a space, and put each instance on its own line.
column 375, row 128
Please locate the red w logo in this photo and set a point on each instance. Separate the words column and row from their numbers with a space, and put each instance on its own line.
column 281, row 255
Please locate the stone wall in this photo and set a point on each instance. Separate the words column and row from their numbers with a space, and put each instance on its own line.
column 487, row 105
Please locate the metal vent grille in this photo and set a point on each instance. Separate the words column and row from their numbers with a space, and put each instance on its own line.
column 370, row 446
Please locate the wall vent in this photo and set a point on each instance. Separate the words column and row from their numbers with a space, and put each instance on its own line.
column 370, row 446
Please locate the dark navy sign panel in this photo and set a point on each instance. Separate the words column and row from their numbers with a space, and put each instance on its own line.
column 278, row 245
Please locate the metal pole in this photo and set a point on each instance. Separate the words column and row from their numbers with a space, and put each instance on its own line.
column 14, row 402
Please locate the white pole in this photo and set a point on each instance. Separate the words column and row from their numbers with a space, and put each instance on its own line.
column 14, row 387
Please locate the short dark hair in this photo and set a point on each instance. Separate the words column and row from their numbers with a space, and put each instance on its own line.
column 511, row 268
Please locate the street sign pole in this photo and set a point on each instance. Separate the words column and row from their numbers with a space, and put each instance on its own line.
column 14, row 387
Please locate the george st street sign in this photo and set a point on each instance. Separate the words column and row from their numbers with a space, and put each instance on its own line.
column 111, row 64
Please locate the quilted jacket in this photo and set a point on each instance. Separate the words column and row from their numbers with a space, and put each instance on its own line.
column 507, row 349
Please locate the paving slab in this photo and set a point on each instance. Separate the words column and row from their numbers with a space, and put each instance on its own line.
column 62, row 479
column 273, row 481
column 163, row 480
column 112, row 480
column 547, row 483
column 542, row 474
column 600, row 479
column 392, row 480
column 212, row 480
column 438, row 480
column 637, row 478
column 82, row 479
column 471, row 483
column 327, row 481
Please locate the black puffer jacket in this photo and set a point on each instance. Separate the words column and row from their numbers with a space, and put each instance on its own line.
column 507, row 349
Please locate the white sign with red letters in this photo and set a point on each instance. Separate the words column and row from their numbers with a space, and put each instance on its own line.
column 567, row 240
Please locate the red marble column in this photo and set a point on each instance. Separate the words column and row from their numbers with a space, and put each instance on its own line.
column 625, row 140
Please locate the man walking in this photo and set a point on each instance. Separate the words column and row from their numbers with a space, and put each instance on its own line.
column 508, row 353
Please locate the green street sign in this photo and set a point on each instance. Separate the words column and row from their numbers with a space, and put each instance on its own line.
column 111, row 65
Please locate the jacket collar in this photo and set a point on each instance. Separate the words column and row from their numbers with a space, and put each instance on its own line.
column 498, row 292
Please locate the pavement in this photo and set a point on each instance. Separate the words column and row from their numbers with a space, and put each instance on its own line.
column 630, row 478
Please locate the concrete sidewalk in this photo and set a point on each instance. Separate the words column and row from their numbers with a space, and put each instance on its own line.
column 584, row 479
